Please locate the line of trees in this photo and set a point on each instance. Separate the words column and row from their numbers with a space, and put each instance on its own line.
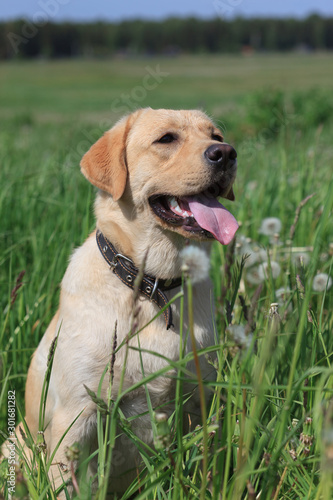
column 40, row 38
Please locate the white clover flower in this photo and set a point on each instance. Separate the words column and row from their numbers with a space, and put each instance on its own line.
column 321, row 282
column 238, row 334
column 300, row 258
column 270, row 226
column 195, row 263
column 263, row 270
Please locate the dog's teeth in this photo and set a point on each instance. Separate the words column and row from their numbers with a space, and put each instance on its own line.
column 173, row 204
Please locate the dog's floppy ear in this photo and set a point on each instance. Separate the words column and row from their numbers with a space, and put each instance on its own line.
column 104, row 165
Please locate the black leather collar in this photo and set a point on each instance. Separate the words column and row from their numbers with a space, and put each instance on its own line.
column 125, row 270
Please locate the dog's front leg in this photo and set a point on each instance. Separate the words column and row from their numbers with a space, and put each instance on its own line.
column 62, row 430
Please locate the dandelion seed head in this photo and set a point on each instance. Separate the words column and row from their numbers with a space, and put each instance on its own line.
column 270, row 226
column 283, row 296
column 242, row 240
column 301, row 259
column 321, row 282
column 251, row 258
column 254, row 253
column 242, row 245
column 261, row 254
column 195, row 263
column 253, row 277
column 242, row 248
column 238, row 334
column 275, row 240
column 263, row 270
column 323, row 257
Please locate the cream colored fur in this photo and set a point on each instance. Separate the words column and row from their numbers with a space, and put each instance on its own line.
column 128, row 167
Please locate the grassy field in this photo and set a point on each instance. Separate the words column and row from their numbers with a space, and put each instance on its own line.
column 274, row 388
column 86, row 90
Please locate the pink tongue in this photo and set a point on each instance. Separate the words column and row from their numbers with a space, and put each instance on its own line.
column 213, row 217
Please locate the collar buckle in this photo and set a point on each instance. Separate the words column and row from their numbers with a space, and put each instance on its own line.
column 115, row 259
column 124, row 268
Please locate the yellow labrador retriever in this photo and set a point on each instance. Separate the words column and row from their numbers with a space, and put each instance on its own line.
column 159, row 173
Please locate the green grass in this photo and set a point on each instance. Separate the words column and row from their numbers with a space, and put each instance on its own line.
column 272, row 397
column 65, row 89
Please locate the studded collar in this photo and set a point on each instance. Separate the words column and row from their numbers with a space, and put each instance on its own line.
column 124, row 269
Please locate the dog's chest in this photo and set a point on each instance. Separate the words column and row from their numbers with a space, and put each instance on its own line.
column 98, row 314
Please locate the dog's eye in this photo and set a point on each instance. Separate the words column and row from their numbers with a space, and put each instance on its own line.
column 167, row 138
column 216, row 137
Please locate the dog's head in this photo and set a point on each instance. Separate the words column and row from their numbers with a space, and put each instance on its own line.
column 174, row 164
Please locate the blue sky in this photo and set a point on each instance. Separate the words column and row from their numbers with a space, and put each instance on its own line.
column 114, row 10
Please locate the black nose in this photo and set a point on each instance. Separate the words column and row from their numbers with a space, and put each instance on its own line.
column 221, row 155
